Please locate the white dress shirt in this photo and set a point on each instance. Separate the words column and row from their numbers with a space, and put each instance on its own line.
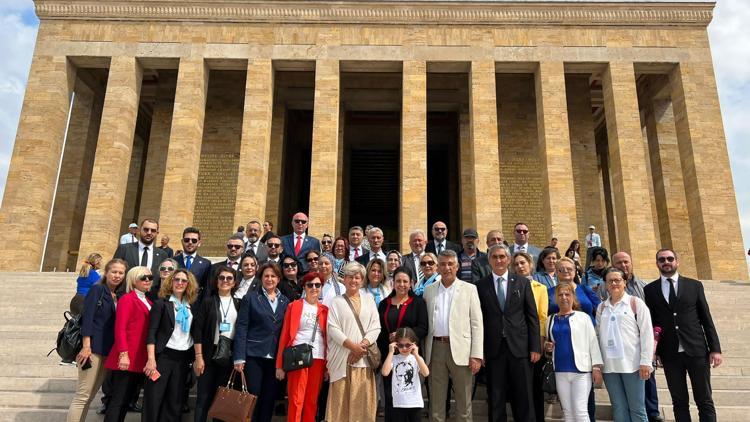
column 127, row 238
column 665, row 292
column 379, row 254
column 623, row 346
column 244, row 287
column 440, row 243
column 505, row 283
column 142, row 297
column 443, row 310
column 521, row 248
column 351, row 252
column 141, row 247
column 180, row 340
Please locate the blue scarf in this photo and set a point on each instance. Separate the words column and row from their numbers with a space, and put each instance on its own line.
column 419, row 290
column 181, row 314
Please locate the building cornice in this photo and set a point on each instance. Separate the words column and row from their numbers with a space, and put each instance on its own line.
column 384, row 12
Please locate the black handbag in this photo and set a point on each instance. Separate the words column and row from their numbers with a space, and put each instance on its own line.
column 223, row 352
column 549, row 385
column 301, row 355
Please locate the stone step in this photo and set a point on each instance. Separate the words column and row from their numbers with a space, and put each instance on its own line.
column 721, row 397
column 38, row 385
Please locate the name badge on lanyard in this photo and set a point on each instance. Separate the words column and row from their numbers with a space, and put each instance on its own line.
column 225, row 327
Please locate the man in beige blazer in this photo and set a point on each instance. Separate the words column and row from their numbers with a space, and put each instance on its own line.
column 454, row 347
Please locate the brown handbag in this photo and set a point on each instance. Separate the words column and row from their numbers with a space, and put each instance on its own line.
column 373, row 352
column 231, row 405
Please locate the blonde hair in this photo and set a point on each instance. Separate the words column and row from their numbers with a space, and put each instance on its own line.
column 91, row 261
column 134, row 274
column 570, row 287
column 191, row 291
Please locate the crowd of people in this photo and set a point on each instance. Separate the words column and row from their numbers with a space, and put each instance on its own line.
column 382, row 327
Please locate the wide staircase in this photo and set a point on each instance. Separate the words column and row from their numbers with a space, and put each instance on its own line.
column 34, row 387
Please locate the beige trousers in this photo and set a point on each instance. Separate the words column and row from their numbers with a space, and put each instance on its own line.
column 89, row 382
column 442, row 367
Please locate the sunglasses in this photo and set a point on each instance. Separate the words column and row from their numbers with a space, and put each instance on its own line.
column 440, row 229
column 427, row 263
column 226, row 278
column 145, row 277
column 189, row 240
column 290, row 265
column 313, row 285
column 520, row 231
column 234, row 246
column 326, row 242
column 300, row 221
column 312, row 259
column 166, row 269
column 663, row 259
column 273, row 245
column 404, row 345
column 179, row 281
column 147, row 230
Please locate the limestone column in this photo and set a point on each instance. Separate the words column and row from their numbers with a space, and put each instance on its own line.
column 74, row 180
column 554, row 149
column 466, row 165
column 485, row 147
column 158, row 144
column 628, row 171
column 32, row 173
column 184, row 153
column 711, row 203
column 275, row 157
column 106, row 200
column 255, row 148
column 413, row 208
column 325, row 148
column 669, row 189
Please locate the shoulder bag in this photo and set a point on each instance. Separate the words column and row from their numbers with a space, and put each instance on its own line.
column 301, row 355
column 373, row 352
column 231, row 405
column 549, row 384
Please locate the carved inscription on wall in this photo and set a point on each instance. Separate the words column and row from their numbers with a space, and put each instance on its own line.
column 521, row 187
column 214, row 200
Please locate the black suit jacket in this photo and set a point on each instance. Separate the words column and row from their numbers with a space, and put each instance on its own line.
column 519, row 324
column 448, row 245
column 480, row 268
column 129, row 252
column 407, row 261
column 696, row 331
column 261, row 254
column 205, row 323
column 201, row 269
column 161, row 324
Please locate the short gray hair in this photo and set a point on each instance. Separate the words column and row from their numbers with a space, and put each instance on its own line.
column 450, row 254
column 416, row 232
column 353, row 268
column 502, row 246
column 376, row 229
column 356, row 228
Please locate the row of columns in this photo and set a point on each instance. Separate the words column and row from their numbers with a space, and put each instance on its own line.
column 31, row 181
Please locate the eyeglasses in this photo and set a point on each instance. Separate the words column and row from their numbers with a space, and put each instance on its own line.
column 315, row 259
column 313, row 285
column 300, row 221
column 326, row 242
column 234, row 246
column 521, row 231
column 663, row 259
column 427, row 263
column 440, row 229
column 148, row 230
column 404, row 345
column 179, row 281
column 616, row 281
column 289, row 265
column 145, row 277
column 566, row 270
column 166, row 268
column 226, row 278
column 189, row 240
column 273, row 245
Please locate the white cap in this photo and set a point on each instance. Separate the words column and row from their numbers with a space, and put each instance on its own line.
column 133, row 226
column 592, row 226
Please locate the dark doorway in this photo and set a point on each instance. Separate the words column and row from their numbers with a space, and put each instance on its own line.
column 443, row 172
column 295, row 180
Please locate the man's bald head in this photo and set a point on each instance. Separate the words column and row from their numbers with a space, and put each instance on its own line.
column 622, row 261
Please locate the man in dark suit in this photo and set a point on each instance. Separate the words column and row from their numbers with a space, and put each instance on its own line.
column 521, row 242
column 144, row 252
column 480, row 267
column 299, row 242
column 511, row 337
column 376, row 239
column 275, row 251
column 410, row 261
column 689, row 343
column 254, row 245
column 235, row 249
column 356, row 246
column 439, row 242
column 191, row 261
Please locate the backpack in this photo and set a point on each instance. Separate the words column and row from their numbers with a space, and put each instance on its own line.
column 69, row 339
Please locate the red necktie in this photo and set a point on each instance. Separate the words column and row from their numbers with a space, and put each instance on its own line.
column 298, row 245
column 356, row 253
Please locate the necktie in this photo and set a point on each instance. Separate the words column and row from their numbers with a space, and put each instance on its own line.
column 440, row 248
column 252, row 247
column 420, row 274
column 356, row 253
column 188, row 262
column 132, row 238
column 672, row 294
column 500, row 293
column 232, row 265
column 298, row 245
column 144, row 257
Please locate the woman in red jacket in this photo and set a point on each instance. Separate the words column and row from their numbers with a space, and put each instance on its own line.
column 305, row 322
column 128, row 355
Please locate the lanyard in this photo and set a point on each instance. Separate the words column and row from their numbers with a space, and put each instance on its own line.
column 401, row 313
column 221, row 306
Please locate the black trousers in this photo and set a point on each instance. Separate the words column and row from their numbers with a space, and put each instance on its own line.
column 213, row 377
column 698, row 368
column 509, row 374
column 536, row 388
column 652, row 397
column 124, row 385
column 322, row 401
column 412, row 414
column 162, row 399
column 260, row 374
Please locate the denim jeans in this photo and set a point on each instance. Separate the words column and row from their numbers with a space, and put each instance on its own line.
column 627, row 396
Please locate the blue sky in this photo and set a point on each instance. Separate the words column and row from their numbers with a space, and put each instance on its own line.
column 730, row 42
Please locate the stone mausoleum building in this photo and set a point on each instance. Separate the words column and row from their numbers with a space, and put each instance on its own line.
column 480, row 113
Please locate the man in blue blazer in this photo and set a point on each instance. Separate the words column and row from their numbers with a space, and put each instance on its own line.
column 189, row 258
column 299, row 242
column 521, row 242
